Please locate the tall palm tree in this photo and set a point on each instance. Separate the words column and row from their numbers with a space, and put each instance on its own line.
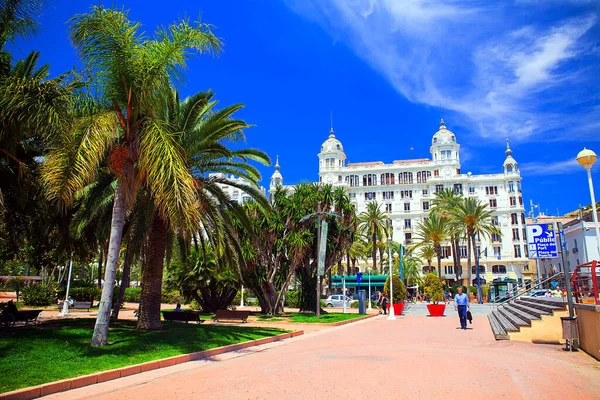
column 433, row 231
column 17, row 19
column 203, row 133
column 373, row 224
column 444, row 203
column 474, row 218
column 133, row 74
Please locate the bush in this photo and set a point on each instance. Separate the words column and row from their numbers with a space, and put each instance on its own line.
column 292, row 299
column 38, row 295
column 398, row 288
column 323, row 305
column 171, row 297
column 473, row 290
column 85, row 293
column 194, row 305
column 354, row 304
column 132, row 294
column 433, row 288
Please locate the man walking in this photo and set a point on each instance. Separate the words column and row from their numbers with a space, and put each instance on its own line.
column 461, row 304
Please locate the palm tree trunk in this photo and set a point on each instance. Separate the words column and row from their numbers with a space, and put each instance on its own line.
column 439, row 267
column 374, row 252
column 348, row 264
column 124, row 282
column 100, row 261
column 100, row 337
column 476, row 266
column 152, row 274
column 469, row 252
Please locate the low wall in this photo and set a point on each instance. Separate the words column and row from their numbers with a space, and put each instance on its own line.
column 588, row 322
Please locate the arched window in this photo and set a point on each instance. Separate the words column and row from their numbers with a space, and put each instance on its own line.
column 499, row 269
column 509, row 168
column 418, row 177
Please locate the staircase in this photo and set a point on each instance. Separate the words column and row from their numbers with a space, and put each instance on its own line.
column 521, row 312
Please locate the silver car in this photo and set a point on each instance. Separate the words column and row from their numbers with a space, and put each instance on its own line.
column 337, row 300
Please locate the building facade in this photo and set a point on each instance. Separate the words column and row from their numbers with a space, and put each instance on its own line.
column 234, row 193
column 405, row 189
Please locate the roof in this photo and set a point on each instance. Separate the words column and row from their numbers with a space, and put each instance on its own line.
column 416, row 160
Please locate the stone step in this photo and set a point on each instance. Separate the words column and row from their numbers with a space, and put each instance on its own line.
column 539, row 306
column 506, row 324
column 558, row 304
column 530, row 310
column 497, row 329
column 513, row 317
column 524, row 315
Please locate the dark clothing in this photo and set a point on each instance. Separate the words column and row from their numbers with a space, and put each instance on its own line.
column 462, row 315
column 470, row 317
column 10, row 308
column 384, row 305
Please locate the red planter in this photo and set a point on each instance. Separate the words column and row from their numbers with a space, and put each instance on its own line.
column 398, row 308
column 436, row 310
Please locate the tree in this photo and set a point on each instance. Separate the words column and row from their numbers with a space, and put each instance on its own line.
column 433, row 231
column 474, row 218
column 445, row 203
column 17, row 18
column 372, row 223
column 133, row 74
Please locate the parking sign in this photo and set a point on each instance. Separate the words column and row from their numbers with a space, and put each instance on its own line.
column 541, row 241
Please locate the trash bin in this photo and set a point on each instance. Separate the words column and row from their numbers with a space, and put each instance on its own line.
column 361, row 302
column 570, row 332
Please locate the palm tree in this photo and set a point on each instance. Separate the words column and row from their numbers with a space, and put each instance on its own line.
column 17, row 18
column 433, row 231
column 133, row 74
column 444, row 204
column 428, row 253
column 203, row 134
column 373, row 224
column 475, row 219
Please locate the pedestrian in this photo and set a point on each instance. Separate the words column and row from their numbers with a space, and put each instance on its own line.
column 379, row 298
column 461, row 304
column 384, row 303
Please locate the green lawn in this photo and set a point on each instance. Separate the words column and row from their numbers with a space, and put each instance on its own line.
column 60, row 349
column 328, row 318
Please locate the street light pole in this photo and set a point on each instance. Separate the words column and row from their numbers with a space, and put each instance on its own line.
column 391, row 316
column 65, row 310
column 369, row 271
column 586, row 158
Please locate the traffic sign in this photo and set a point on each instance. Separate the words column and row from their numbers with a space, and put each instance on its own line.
column 541, row 241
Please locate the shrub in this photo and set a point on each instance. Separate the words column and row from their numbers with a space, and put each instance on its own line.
column 323, row 305
column 292, row 299
column 171, row 297
column 38, row 295
column 433, row 288
column 132, row 294
column 194, row 305
column 473, row 290
column 85, row 293
column 399, row 290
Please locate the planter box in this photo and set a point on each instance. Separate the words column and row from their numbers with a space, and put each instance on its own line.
column 436, row 310
column 398, row 308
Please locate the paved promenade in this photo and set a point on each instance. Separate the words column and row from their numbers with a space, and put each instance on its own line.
column 413, row 358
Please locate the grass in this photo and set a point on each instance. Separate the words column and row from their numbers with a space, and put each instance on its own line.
column 60, row 349
column 311, row 318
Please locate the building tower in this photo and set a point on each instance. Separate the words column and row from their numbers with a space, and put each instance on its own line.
column 276, row 178
column 332, row 160
column 510, row 165
column 445, row 152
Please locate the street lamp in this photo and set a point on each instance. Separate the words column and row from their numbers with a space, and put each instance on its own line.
column 587, row 158
column 369, row 269
column 391, row 316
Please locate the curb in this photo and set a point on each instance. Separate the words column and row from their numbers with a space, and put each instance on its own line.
column 349, row 321
column 98, row 377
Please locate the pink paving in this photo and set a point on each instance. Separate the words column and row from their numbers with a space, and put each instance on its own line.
column 413, row 357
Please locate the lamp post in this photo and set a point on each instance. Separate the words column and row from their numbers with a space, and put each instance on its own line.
column 369, row 269
column 586, row 158
column 65, row 310
column 242, row 299
column 391, row 316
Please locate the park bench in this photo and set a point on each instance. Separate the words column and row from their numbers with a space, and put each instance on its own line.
column 78, row 305
column 26, row 316
column 183, row 316
column 230, row 314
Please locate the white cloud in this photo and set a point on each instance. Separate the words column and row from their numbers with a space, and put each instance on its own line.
column 551, row 168
column 510, row 81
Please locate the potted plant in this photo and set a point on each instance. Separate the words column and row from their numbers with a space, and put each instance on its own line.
column 399, row 292
column 434, row 290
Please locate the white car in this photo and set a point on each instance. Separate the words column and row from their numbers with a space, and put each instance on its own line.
column 337, row 300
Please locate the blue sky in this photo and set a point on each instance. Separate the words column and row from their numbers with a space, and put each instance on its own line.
column 527, row 70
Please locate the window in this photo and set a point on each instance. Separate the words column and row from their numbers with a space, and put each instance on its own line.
column 406, row 206
column 370, row 180
column 491, row 190
column 406, row 194
column 422, row 176
column 407, row 238
column 524, row 234
column 436, row 172
column 525, row 253
column 425, row 205
column 407, row 224
column 493, row 203
column 449, row 270
column 425, row 193
column 388, row 195
column 439, row 188
column 497, row 251
column 481, row 269
column 514, row 219
column 462, row 250
column 513, row 201
column 520, row 200
column 517, row 251
column 370, row 196
column 353, row 195
column 354, row 180
column 511, row 187
column 515, row 233
column 495, row 220
column 446, row 252
column 523, row 218
column 339, row 180
column 388, row 207
column 471, row 189
column 499, row 269
column 387, row 178
column 458, row 188
column 496, row 237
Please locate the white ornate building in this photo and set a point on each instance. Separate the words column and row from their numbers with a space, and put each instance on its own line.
column 405, row 188
column 234, row 193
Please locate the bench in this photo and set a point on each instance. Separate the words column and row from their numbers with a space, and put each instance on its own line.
column 183, row 316
column 230, row 314
column 26, row 316
column 78, row 305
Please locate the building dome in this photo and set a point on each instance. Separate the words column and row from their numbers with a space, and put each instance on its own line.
column 332, row 144
column 276, row 178
column 443, row 136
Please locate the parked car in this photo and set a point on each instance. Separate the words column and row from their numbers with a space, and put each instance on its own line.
column 537, row 293
column 337, row 300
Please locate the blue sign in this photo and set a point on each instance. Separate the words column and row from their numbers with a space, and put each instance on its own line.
column 563, row 242
column 359, row 277
column 541, row 241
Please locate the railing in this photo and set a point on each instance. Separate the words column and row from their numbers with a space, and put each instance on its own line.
column 585, row 282
column 523, row 289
